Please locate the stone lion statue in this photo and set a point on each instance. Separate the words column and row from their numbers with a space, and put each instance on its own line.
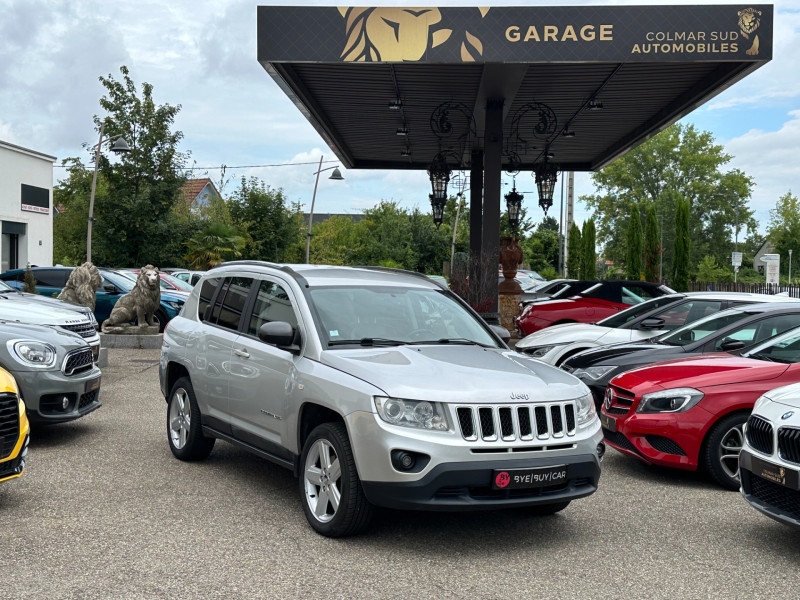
column 140, row 304
column 83, row 282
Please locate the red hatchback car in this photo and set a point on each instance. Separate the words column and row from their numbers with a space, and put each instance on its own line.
column 598, row 301
column 688, row 413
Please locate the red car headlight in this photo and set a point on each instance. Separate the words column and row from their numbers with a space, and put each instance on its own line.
column 670, row 401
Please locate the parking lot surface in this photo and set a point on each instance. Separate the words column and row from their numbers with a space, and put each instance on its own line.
column 105, row 511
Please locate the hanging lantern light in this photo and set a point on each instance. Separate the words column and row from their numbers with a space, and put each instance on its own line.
column 546, row 176
column 514, row 207
column 439, row 173
column 437, row 209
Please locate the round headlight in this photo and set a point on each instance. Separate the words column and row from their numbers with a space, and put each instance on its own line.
column 423, row 412
column 394, row 410
column 33, row 353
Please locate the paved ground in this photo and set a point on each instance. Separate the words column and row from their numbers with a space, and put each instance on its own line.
column 105, row 511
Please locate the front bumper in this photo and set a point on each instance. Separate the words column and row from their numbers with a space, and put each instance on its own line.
column 468, row 486
column 668, row 440
column 44, row 393
column 452, row 473
column 777, row 501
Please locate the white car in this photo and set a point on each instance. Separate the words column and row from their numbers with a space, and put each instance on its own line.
column 769, row 463
column 555, row 344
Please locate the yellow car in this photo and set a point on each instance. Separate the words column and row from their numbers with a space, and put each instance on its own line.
column 14, row 429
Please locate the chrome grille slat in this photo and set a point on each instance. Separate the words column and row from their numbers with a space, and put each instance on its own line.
column 513, row 422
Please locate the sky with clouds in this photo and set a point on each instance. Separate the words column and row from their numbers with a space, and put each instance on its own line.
column 202, row 55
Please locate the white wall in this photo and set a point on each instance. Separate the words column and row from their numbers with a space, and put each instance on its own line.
column 17, row 166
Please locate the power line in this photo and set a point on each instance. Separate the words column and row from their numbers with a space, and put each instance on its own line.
column 226, row 167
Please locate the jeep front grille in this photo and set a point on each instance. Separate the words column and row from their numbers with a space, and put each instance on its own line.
column 510, row 423
column 9, row 424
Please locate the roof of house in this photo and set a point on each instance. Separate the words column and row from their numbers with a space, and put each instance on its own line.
column 194, row 187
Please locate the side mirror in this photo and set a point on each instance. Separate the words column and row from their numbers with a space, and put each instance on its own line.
column 652, row 323
column 280, row 334
column 501, row 332
column 729, row 345
column 111, row 288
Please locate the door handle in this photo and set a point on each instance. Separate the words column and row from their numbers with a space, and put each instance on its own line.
column 242, row 353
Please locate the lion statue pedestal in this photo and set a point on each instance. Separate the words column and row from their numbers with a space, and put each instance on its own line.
column 133, row 312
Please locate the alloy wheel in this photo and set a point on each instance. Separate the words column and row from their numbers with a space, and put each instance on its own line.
column 728, row 452
column 181, row 418
column 323, row 474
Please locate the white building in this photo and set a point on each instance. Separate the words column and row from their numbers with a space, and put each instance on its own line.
column 26, row 207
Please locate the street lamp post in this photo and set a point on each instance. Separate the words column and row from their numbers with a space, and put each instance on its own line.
column 119, row 146
column 336, row 176
column 790, row 266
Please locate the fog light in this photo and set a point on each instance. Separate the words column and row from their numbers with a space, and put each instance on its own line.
column 406, row 461
column 64, row 402
column 601, row 450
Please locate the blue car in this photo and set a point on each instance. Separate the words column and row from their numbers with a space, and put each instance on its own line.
column 51, row 280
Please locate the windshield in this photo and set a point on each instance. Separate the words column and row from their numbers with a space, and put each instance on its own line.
column 637, row 310
column 782, row 349
column 701, row 328
column 395, row 315
column 119, row 279
column 176, row 283
column 4, row 287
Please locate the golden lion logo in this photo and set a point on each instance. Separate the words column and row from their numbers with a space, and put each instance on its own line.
column 398, row 34
column 748, row 23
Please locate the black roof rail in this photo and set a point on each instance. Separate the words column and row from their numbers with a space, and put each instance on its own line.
column 263, row 263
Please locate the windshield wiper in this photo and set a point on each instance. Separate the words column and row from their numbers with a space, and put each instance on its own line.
column 368, row 342
column 461, row 341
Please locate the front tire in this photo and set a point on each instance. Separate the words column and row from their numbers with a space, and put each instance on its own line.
column 330, row 489
column 184, row 431
column 723, row 444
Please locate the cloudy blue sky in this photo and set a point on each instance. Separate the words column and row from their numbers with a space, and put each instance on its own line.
column 202, row 55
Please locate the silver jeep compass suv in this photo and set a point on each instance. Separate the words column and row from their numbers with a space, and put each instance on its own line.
column 376, row 387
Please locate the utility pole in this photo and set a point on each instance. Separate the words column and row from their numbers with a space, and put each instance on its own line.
column 570, row 214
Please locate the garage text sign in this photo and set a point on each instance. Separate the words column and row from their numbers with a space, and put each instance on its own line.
column 515, row 34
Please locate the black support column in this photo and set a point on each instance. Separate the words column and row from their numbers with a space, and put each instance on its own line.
column 475, row 224
column 492, row 166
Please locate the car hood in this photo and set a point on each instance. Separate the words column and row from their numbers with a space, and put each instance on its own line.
column 42, row 313
column 44, row 300
column 174, row 296
column 51, row 335
column 564, row 334
column 788, row 395
column 612, row 354
column 701, row 372
column 451, row 373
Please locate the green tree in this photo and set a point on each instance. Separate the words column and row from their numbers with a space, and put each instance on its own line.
column 215, row 243
column 588, row 238
column 652, row 245
column 335, row 242
column 633, row 258
column 274, row 230
column 679, row 162
column 71, row 198
column 680, row 271
column 574, row 252
column 385, row 234
column 29, row 283
column 784, row 230
column 135, row 221
column 708, row 271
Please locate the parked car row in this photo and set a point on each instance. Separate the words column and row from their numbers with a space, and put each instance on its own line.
column 697, row 381
column 51, row 280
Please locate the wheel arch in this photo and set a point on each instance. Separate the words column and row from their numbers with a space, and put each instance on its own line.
column 710, row 427
column 174, row 372
column 311, row 415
